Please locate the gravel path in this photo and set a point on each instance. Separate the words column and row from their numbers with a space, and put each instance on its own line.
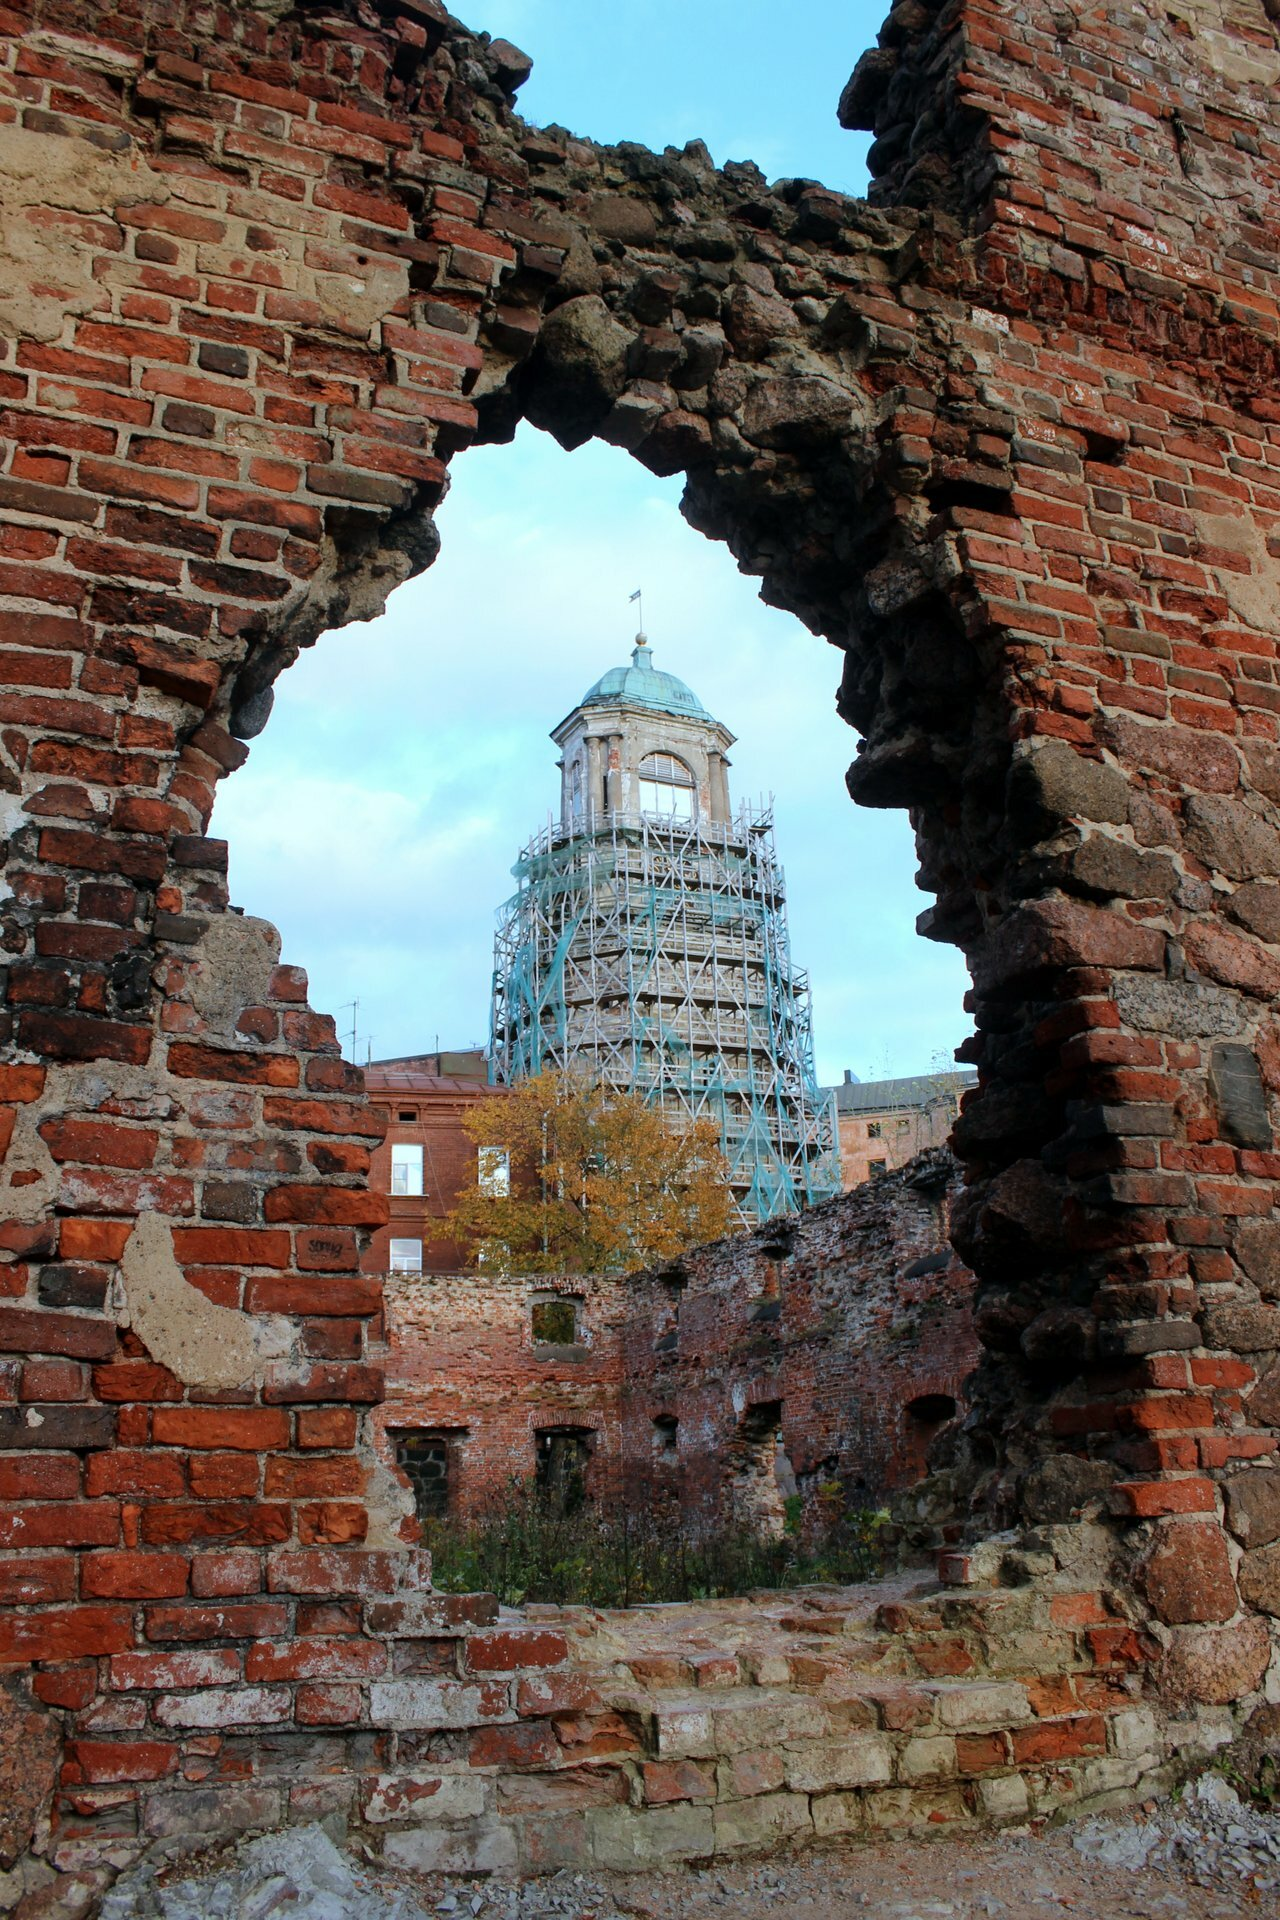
column 1203, row 1857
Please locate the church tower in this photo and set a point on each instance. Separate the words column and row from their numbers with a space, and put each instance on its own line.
column 647, row 941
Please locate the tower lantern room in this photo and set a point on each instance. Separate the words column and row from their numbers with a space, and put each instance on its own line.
column 640, row 742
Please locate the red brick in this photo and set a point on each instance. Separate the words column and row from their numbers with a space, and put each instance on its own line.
column 515, row 1650
column 1059, row 1740
column 192, row 1062
column 530, row 1743
column 237, row 1246
column 229, row 1428
column 69, row 1633
column 133, row 1576
column 342, row 1659
column 232, row 1620
column 340, row 1206
column 102, row 1761
column 328, row 1706
column 232, row 1521
column 326, row 1427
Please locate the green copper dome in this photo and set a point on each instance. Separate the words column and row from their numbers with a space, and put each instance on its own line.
column 641, row 685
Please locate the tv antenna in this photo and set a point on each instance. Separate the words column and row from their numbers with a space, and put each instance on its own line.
column 353, row 1008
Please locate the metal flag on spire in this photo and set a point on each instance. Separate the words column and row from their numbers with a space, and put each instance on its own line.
column 639, row 595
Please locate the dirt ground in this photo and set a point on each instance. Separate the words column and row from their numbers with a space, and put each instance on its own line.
column 1090, row 1871
column 1016, row 1876
column 1022, row 1877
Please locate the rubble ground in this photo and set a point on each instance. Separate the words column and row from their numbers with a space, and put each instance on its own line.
column 1200, row 1856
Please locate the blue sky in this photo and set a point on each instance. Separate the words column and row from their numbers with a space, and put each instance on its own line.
column 407, row 759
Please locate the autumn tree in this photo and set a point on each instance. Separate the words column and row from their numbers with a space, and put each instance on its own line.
column 594, row 1181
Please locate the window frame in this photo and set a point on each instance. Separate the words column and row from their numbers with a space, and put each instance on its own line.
column 493, row 1172
column 660, row 787
column 415, row 1157
column 403, row 1240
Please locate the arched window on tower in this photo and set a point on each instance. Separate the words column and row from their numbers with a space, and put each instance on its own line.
column 666, row 787
column 575, row 790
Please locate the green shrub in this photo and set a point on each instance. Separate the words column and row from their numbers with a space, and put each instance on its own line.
column 522, row 1549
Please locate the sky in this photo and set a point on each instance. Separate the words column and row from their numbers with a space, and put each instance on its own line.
column 407, row 759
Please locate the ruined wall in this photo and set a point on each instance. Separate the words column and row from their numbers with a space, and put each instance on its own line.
column 1005, row 436
column 840, row 1318
column 844, row 1318
column 461, row 1358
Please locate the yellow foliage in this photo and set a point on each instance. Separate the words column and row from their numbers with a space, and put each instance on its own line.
column 601, row 1182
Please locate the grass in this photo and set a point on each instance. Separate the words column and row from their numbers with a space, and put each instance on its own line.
column 523, row 1548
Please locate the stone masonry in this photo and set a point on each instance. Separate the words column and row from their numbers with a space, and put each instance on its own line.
column 1005, row 434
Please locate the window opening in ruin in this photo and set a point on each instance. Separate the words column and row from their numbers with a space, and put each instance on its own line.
column 666, row 1331
column 405, row 1256
column 666, row 1439
column 406, row 1167
column 931, row 1409
column 877, row 1166
column 494, row 1172
column 361, row 850
column 428, row 1460
column 759, row 1470
column 563, row 1456
column 555, row 1322
column 873, row 1129
column 409, row 1113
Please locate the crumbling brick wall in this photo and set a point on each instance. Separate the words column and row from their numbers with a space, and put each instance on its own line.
column 462, row 1360
column 1004, row 436
column 854, row 1320
column 826, row 1329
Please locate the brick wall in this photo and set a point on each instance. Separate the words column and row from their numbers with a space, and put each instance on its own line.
column 462, row 1360
column 436, row 1106
column 853, row 1319
column 1004, row 435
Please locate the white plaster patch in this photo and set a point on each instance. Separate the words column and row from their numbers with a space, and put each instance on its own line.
column 234, row 962
column 204, row 1344
column 49, row 270
column 1254, row 597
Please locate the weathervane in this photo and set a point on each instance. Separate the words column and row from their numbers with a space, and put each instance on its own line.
column 639, row 595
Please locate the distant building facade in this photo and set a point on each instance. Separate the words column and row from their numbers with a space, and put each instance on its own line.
column 647, row 942
column 884, row 1123
column 428, row 1158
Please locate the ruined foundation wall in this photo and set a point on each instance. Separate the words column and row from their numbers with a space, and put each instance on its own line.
column 840, row 1318
column 1005, row 436
column 844, row 1318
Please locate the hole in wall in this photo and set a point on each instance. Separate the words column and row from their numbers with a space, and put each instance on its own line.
column 407, row 761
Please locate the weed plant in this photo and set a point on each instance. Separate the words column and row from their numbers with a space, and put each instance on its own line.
column 524, row 1546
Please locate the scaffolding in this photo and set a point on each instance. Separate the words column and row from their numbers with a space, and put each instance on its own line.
column 653, row 953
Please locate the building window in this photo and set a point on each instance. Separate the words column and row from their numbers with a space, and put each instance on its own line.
column 555, row 1323
column 575, row 789
column 407, row 1113
column 406, row 1167
column 666, row 787
column 426, row 1459
column 494, row 1172
column 406, row 1256
column 666, row 1439
column 903, row 1126
column 563, row 1455
column 873, row 1129
column 876, row 1166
